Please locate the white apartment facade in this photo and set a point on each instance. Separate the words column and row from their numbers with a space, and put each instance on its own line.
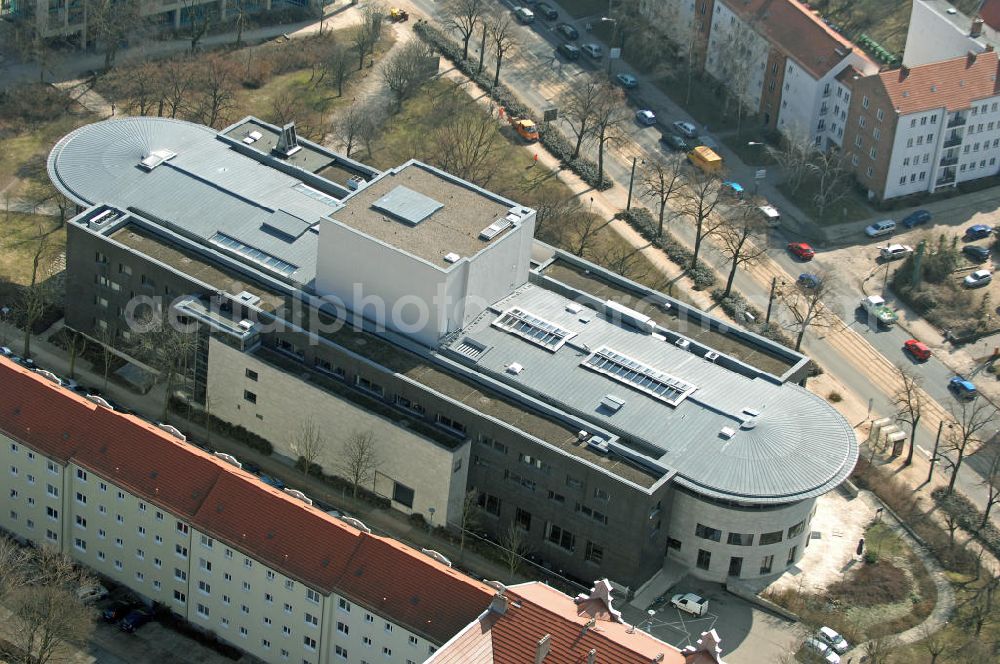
column 59, row 494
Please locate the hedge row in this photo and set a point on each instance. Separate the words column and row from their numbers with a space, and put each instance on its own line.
column 236, row 432
column 642, row 221
column 736, row 307
column 553, row 141
column 969, row 518
column 342, row 485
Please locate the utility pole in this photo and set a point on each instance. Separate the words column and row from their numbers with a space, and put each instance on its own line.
column 770, row 300
column 631, row 178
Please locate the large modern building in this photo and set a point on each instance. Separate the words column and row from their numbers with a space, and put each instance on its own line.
column 620, row 431
column 262, row 569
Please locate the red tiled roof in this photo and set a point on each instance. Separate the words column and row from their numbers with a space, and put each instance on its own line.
column 535, row 610
column 403, row 585
column 794, row 29
column 431, row 597
column 990, row 13
column 954, row 84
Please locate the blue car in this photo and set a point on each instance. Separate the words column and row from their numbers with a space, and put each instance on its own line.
column 962, row 388
column 272, row 481
column 733, row 188
column 916, row 218
column 135, row 619
column 807, row 280
column 978, row 231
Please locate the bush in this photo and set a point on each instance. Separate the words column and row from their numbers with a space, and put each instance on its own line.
column 835, row 397
column 552, row 140
column 968, row 517
column 872, row 584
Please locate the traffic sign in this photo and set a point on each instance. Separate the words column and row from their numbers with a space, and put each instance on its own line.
column 550, row 115
column 760, row 174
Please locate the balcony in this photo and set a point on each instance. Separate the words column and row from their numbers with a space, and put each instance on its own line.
column 949, row 161
column 952, row 141
column 957, row 121
column 946, row 178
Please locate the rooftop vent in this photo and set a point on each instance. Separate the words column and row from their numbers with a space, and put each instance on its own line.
column 451, row 257
column 711, row 356
column 171, row 430
column 357, row 524
column 155, row 158
column 582, row 435
column 598, row 444
column 683, row 343
column 228, row 458
column 574, row 308
column 407, row 205
column 247, row 298
column 246, row 325
column 355, row 182
column 727, row 432
column 288, row 141
column 619, row 312
column 431, row 553
column 752, row 412
column 494, row 229
column 253, row 137
column 749, row 424
column 99, row 401
column 612, row 403
column 514, row 368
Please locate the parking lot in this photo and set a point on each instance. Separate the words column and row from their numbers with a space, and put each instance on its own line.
column 749, row 635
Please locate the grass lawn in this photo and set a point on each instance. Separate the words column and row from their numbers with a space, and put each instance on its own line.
column 17, row 249
column 32, row 146
column 852, row 207
column 705, row 105
column 751, row 155
column 581, row 8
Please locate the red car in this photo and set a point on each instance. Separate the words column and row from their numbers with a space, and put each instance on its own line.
column 802, row 250
column 917, row 349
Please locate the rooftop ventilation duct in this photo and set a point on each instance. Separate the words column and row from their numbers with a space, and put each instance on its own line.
column 288, row 141
column 155, row 158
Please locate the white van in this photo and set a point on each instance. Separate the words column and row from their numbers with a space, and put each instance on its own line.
column 771, row 215
column 524, row 15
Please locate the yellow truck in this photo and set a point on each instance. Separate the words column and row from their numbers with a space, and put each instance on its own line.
column 705, row 159
column 525, row 127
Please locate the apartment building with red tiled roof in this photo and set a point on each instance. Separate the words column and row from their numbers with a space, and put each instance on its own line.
column 926, row 128
column 533, row 623
column 264, row 571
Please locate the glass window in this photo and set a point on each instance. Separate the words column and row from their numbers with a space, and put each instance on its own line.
column 704, row 559
column 706, row 532
column 770, row 538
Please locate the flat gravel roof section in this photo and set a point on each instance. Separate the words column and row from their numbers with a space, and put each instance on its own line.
column 734, row 437
column 454, row 228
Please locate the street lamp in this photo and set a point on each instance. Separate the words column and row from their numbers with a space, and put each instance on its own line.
column 631, row 179
column 770, row 299
column 611, row 42
column 754, row 143
column 430, row 511
column 934, row 456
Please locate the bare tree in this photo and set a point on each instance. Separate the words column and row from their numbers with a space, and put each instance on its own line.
column 553, row 213
column 609, row 116
column 512, row 549
column 109, row 22
column 586, row 228
column 463, row 16
column 308, row 444
column 38, row 294
column 793, row 156
column 367, row 35
column 338, row 64
column 199, row 19
column 741, row 239
column 177, row 78
column 909, row 403
column 807, row 308
column 106, row 338
column 502, row 29
column 77, row 346
column 662, row 181
column 628, row 261
column 934, row 642
column 241, row 10
column 702, row 196
column 484, row 33
column 971, row 418
column 354, row 124
column 468, row 518
column 579, row 106
column 142, row 88
column 878, row 649
column 738, row 56
column 166, row 347
column 469, row 146
column 359, row 460
column 407, row 69
column 990, row 451
column 829, row 171
column 216, row 85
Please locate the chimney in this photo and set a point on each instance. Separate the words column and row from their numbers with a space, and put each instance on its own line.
column 499, row 604
column 970, row 58
column 592, row 656
column 977, row 27
column 542, row 648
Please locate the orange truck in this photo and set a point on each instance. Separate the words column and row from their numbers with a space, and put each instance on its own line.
column 525, row 127
column 705, row 159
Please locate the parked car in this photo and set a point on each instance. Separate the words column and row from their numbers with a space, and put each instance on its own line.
column 977, row 279
column 963, row 389
column 596, row 51
column 978, row 232
column 546, row 11
column 568, row 31
column 271, row 481
column 807, row 280
column 823, row 650
column 917, row 349
column 880, row 228
column 801, row 250
column 6, row 352
column 833, row 639
column 916, row 218
column 976, row 253
column 690, row 603
column 135, row 619
column 674, row 142
column 569, row 51
column 117, row 611
column 627, row 80
column 771, row 215
column 645, row 117
column 685, row 129
column 732, row 188
column 894, row 252
column 524, row 15
column 250, row 467
column 91, row 593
